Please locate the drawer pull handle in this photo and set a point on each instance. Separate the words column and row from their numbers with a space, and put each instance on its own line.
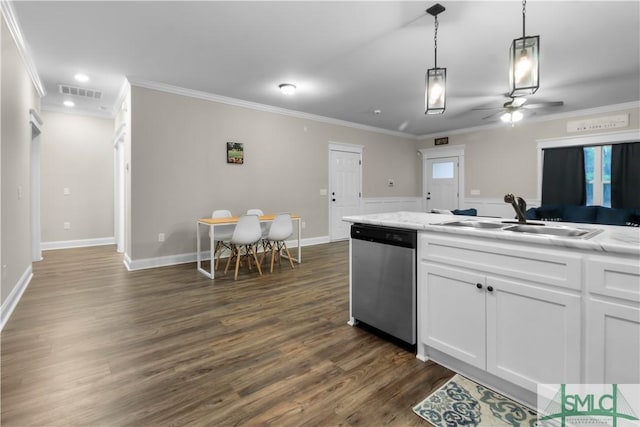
column 490, row 288
column 479, row 285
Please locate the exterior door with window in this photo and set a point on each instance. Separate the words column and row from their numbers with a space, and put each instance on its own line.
column 441, row 183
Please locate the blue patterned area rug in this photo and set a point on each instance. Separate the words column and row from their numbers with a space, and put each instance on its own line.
column 462, row 402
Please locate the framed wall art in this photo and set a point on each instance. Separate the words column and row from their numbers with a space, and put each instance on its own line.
column 235, row 153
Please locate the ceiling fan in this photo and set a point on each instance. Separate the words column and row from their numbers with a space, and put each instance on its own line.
column 510, row 110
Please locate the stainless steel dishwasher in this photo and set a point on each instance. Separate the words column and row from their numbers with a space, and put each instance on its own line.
column 383, row 279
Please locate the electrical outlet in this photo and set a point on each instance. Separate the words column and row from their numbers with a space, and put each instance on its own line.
column 323, row 191
column 161, row 237
column 66, row 225
column 66, row 191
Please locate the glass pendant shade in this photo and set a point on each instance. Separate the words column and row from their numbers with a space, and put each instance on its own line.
column 511, row 117
column 435, row 91
column 524, row 66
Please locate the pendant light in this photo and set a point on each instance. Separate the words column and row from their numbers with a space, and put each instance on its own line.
column 524, row 62
column 436, row 78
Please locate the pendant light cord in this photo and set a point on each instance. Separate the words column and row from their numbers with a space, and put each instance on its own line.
column 435, row 43
column 524, row 7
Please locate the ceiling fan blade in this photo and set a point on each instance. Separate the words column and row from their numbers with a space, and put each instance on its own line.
column 492, row 115
column 488, row 108
column 544, row 104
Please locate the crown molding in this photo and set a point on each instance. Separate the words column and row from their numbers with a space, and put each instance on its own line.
column 162, row 87
column 559, row 116
column 16, row 32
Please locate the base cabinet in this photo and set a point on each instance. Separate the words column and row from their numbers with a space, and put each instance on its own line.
column 533, row 334
column 613, row 321
column 516, row 331
column 497, row 308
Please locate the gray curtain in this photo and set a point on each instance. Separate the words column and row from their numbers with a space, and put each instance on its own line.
column 625, row 175
column 563, row 177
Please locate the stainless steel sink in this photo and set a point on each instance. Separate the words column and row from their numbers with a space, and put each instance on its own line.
column 579, row 233
column 474, row 224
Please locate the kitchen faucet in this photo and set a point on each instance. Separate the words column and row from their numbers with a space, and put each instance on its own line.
column 519, row 205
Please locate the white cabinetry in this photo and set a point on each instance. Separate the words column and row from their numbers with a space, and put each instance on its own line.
column 613, row 320
column 513, row 311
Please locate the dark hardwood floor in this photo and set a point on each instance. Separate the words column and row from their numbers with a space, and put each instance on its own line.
column 91, row 344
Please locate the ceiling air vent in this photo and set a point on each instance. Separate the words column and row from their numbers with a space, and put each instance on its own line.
column 79, row 91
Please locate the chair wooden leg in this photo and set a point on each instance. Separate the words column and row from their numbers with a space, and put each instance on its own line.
column 255, row 257
column 231, row 255
column 238, row 256
column 217, row 253
column 273, row 256
column 288, row 254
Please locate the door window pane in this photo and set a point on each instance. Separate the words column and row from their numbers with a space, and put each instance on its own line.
column 442, row 170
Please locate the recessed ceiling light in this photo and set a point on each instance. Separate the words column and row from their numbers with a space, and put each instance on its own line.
column 81, row 77
column 287, row 88
column 68, row 103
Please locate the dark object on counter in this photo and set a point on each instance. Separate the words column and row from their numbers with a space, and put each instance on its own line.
column 586, row 215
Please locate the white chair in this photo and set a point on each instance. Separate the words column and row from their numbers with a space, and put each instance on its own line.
column 243, row 242
column 281, row 229
column 222, row 234
column 264, row 227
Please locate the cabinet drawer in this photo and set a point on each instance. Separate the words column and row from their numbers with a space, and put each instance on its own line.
column 528, row 262
column 618, row 278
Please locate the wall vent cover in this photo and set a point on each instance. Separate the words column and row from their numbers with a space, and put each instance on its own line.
column 79, row 91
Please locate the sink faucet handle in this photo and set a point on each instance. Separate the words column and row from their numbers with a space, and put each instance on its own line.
column 509, row 198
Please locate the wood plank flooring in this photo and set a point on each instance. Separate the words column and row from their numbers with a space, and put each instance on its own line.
column 91, row 344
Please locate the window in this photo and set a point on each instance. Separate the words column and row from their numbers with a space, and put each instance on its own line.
column 597, row 164
column 442, row 170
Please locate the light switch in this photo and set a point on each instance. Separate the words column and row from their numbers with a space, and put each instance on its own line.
column 66, row 225
column 66, row 191
column 323, row 191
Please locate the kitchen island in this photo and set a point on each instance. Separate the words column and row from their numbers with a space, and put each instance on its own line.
column 513, row 307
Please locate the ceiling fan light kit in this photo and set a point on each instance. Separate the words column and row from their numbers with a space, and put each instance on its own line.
column 511, row 116
column 436, row 78
column 524, row 62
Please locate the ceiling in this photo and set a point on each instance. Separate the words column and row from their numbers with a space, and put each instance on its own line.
column 347, row 59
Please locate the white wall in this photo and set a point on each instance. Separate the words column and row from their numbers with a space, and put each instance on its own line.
column 503, row 159
column 18, row 97
column 77, row 154
column 179, row 171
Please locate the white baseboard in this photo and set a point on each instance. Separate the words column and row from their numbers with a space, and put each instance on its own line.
column 68, row 244
column 165, row 261
column 12, row 300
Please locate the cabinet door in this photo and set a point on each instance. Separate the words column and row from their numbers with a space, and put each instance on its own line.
column 533, row 334
column 613, row 343
column 453, row 319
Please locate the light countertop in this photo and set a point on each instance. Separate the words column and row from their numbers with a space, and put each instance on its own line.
column 612, row 239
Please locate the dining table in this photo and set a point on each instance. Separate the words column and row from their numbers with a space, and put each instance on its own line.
column 211, row 223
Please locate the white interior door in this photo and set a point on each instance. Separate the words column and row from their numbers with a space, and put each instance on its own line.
column 441, row 183
column 344, row 191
